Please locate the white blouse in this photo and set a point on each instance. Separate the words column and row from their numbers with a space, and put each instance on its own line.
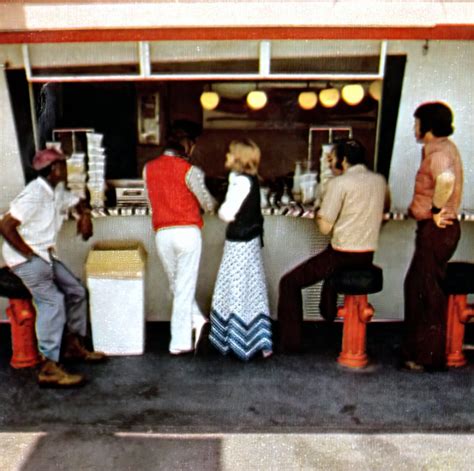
column 238, row 190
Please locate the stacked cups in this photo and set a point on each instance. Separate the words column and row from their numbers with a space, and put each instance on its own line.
column 76, row 174
column 96, row 171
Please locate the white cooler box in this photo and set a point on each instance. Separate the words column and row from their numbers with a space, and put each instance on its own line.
column 115, row 278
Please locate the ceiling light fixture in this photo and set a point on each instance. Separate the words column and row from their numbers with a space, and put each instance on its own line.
column 209, row 100
column 353, row 93
column 329, row 97
column 257, row 99
column 307, row 100
column 375, row 90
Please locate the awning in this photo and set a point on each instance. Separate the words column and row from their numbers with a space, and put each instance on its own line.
column 76, row 20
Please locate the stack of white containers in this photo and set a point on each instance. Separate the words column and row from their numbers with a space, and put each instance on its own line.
column 308, row 186
column 96, row 171
column 76, row 174
column 325, row 173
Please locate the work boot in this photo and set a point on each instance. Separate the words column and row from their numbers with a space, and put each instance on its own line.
column 52, row 375
column 75, row 350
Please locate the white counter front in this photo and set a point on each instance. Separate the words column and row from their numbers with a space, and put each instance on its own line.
column 288, row 241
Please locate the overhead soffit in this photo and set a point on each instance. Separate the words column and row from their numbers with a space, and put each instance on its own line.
column 204, row 52
column 204, row 60
column 61, row 15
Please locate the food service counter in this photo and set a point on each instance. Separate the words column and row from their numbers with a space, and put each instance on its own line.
column 288, row 241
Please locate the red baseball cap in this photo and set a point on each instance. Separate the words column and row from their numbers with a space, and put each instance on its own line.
column 46, row 157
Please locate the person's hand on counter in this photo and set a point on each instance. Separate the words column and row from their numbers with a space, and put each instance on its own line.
column 84, row 225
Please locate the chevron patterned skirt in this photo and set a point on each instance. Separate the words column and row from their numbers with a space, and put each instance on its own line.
column 240, row 319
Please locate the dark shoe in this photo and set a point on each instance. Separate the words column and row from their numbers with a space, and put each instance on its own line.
column 52, row 375
column 202, row 346
column 331, row 317
column 198, row 330
column 75, row 350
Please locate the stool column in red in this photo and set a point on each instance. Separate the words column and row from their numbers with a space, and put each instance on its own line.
column 357, row 312
column 22, row 320
column 459, row 312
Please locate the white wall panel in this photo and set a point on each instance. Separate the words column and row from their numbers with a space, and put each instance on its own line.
column 12, row 179
column 446, row 73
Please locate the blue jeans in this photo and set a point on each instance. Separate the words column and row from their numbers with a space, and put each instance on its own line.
column 59, row 297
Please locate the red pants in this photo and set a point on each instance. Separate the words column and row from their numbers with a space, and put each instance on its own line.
column 313, row 270
column 425, row 301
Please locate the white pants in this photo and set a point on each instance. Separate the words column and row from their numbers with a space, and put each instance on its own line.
column 179, row 249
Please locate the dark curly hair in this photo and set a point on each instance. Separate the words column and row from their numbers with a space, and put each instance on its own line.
column 436, row 117
column 352, row 149
column 179, row 131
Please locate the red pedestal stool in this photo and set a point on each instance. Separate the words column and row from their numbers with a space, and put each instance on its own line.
column 22, row 316
column 458, row 284
column 355, row 285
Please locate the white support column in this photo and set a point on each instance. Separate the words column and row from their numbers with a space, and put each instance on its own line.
column 144, row 53
column 13, row 179
column 264, row 58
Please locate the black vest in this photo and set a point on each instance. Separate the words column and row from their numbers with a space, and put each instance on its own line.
column 248, row 222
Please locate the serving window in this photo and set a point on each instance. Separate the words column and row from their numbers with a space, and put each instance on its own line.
column 134, row 115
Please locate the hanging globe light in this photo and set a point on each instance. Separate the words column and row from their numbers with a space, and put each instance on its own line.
column 329, row 97
column 353, row 94
column 307, row 100
column 375, row 90
column 257, row 99
column 209, row 100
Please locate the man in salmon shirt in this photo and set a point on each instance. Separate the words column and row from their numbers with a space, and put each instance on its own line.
column 177, row 192
column 436, row 201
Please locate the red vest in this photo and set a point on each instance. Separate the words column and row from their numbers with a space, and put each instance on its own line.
column 172, row 203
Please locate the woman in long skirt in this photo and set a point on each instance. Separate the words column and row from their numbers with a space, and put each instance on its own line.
column 240, row 318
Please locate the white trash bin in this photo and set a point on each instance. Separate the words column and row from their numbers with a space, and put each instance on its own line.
column 115, row 279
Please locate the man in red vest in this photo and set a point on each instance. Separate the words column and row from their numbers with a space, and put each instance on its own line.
column 177, row 192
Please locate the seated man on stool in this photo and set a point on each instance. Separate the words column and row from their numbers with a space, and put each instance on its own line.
column 352, row 208
column 30, row 230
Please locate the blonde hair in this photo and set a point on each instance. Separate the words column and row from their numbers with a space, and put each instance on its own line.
column 246, row 156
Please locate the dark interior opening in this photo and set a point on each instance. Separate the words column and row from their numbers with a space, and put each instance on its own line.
column 280, row 129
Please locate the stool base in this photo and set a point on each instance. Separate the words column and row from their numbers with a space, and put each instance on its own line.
column 456, row 360
column 459, row 312
column 22, row 321
column 353, row 360
column 357, row 312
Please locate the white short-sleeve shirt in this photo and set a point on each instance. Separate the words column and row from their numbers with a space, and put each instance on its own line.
column 41, row 211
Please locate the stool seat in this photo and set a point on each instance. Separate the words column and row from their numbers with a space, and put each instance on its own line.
column 459, row 278
column 11, row 286
column 358, row 281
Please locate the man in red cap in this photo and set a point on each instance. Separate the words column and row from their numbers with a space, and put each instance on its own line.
column 30, row 230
